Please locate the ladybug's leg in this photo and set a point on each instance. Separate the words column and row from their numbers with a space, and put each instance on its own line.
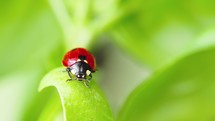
column 86, row 83
column 68, row 71
column 90, row 77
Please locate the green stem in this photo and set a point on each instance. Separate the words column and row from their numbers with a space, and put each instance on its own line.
column 62, row 15
column 82, row 31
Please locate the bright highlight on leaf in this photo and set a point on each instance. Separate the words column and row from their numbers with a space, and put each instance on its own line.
column 80, row 103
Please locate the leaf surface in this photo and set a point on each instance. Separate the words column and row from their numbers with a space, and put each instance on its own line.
column 80, row 103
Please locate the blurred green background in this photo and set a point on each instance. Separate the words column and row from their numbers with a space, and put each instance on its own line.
column 156, row 59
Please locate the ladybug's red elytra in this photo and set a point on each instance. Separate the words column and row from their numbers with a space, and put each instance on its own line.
column 79, row 63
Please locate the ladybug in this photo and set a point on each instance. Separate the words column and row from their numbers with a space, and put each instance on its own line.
column 79, row 63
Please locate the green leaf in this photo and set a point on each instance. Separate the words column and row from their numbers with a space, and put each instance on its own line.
column 158, row 31
column 80, row 103
column 46, row 106
column 28, row 34
column 51, row 111
column 182, row 92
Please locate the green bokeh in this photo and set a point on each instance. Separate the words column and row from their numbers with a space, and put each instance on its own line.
column 169, row 42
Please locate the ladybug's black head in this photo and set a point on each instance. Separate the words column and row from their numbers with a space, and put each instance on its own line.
column 82, row 57
column 81, row 70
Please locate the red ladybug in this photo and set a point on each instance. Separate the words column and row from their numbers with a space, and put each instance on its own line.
column 80, row 63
